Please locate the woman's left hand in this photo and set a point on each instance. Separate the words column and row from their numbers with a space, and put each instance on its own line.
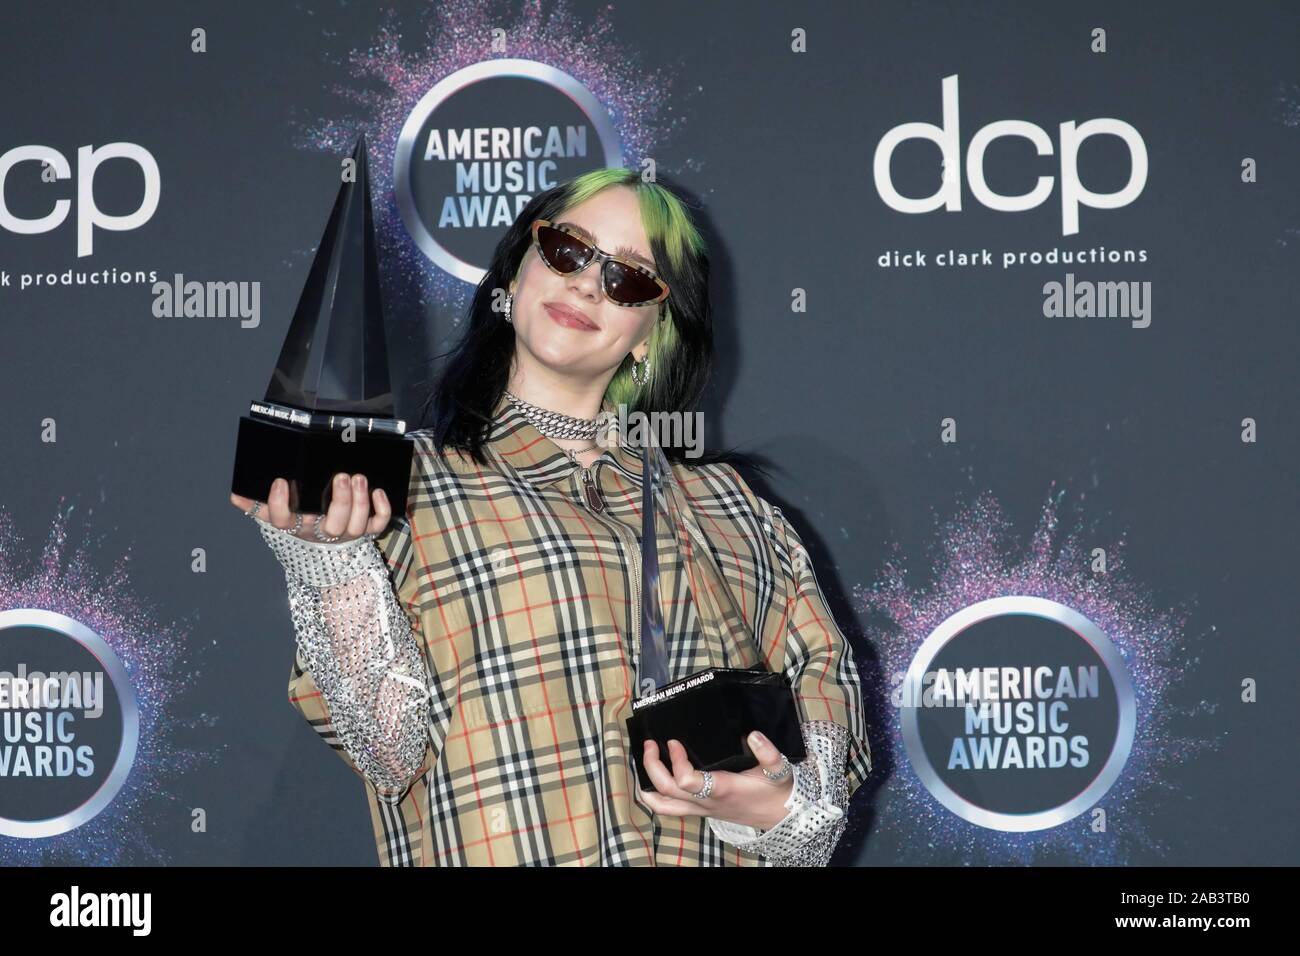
column 748, row 798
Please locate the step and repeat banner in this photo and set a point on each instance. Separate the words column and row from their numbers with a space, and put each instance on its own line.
column 1005, row 295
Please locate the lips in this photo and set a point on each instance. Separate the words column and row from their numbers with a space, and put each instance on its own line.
column 568, row 316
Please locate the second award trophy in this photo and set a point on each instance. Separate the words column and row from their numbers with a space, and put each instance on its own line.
column 711, row 712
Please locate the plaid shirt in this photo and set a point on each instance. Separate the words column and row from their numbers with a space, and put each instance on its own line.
column 525, row 602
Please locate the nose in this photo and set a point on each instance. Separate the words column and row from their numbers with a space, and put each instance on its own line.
column 586, row 282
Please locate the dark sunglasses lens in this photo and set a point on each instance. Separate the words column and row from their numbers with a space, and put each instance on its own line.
column 564, row 253
column 629, row 286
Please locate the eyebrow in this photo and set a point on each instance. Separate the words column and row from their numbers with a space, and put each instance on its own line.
column 621, row 250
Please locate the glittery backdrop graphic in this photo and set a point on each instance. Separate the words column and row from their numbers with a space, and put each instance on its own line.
column 975, row 558
column 1286, row 104
column 411, row 52
column 63, row 578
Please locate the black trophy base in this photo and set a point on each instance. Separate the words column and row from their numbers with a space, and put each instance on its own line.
column 310, row 458
column 712, row 717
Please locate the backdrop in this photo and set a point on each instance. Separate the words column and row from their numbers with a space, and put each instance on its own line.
column 1006, row 294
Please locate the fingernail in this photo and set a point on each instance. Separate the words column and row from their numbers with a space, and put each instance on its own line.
column 340, row 480
column 756, row 739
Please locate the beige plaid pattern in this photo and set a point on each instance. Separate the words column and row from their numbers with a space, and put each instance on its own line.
column 522, row 599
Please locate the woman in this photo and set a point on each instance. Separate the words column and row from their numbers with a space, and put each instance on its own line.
column 481, row 693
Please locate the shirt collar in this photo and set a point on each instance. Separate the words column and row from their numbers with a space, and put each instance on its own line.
column 517, row 442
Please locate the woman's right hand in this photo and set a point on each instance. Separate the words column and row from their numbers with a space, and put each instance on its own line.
column 349, row 515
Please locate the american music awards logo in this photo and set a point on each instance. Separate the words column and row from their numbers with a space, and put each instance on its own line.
column 1031, row 687
column 1017, row 713
column 96, row 732
column 481, row 143
column 482, row 110
column 69, row 724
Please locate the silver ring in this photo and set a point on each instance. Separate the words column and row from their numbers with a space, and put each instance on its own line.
column 705, row 790
column 316, row 531
column 252, row 512
column 779, row 774
column 297, row 525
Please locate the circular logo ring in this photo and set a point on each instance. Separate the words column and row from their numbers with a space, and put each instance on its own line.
column 108, row 660
column 1085, row 629
column 444, row 89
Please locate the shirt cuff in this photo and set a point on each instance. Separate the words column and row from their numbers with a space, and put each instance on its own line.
column 817, row 806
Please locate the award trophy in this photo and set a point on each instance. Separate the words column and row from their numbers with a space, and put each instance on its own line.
column 713, row 711
column 329, row 406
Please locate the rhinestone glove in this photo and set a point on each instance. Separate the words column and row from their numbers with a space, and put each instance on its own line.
column 818, row 805
column 357, row 643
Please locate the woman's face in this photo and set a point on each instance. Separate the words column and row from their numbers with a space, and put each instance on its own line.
column 597, row 344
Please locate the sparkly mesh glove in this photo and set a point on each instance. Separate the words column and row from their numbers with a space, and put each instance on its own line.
column 357, row 642
column 818, row 805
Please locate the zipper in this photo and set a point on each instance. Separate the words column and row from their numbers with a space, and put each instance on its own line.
column 596, row 505
column 594, row 502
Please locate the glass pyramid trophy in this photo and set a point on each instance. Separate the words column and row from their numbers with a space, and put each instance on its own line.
column 711, row 711
column 329, row 406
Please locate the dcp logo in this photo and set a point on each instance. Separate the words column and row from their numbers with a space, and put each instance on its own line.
column 1073, row 193
column 55, row 166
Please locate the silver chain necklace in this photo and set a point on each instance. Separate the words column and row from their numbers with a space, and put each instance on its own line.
column 553, row 424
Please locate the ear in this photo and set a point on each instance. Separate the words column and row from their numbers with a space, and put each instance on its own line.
column 642, row 348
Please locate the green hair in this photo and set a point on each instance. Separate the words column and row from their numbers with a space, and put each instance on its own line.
column 669, row 228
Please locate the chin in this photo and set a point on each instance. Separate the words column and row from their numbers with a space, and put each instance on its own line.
column 555, row 352
column 557, row 342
